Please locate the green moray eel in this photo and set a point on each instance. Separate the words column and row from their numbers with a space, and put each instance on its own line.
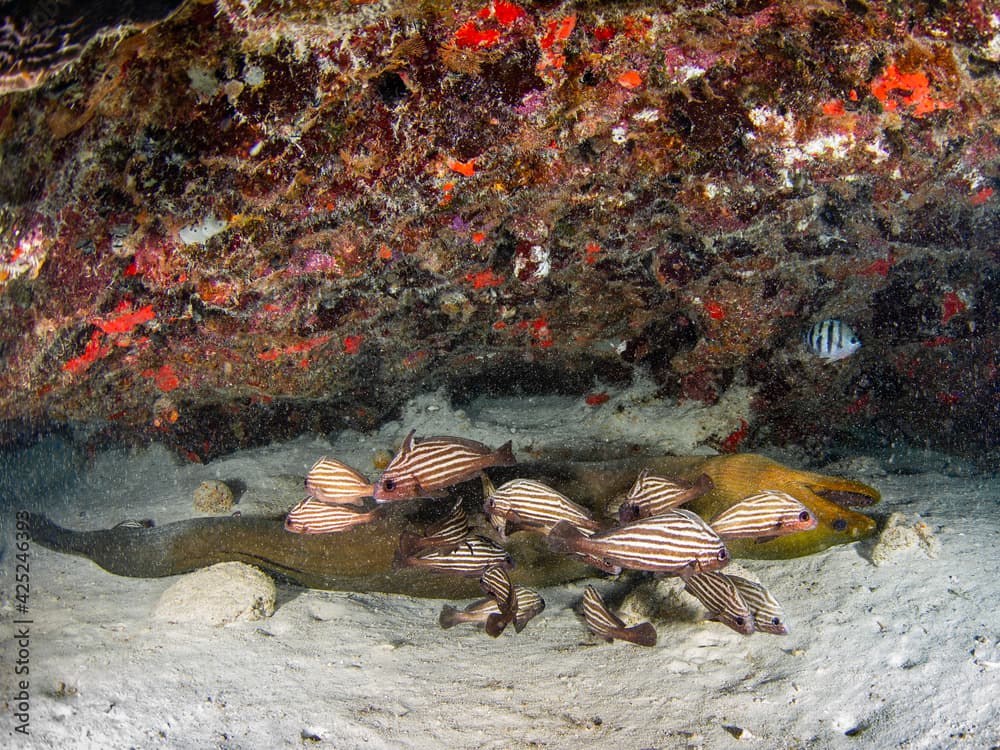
column 361, row 558
column 738, row 476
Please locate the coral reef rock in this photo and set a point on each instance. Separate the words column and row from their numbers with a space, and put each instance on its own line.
column 294, row 216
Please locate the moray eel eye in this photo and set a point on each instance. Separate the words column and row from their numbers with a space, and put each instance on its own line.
column 840, row 525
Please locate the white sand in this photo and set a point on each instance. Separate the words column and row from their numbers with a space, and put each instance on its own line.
column 905, row 654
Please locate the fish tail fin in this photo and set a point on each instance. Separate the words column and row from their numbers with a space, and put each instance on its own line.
column 409, row 544
column 401, row 560
column 565, row 537
column 495, row 624
column 449, row 617
column 505, row 454
column 627, row 513
column 703, row 484
column 643, row 634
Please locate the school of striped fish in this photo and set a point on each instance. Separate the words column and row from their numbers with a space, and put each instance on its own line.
column 653, row 533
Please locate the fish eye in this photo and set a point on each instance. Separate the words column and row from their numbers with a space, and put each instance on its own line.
column 840, row 525
column 723, row 554
column 775, row 620
column 389, row 484
column 740, row 621
column 804, row 516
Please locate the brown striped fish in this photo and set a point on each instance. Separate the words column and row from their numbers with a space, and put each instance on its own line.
column 425, row 467
column 674, row 542
column 723, row 600
column 766, row 515
column 444, row 535
column 524, row 504
column 652, row 495
column 336, row 483
column 496, row 583
column 471, row 558
column 313, row 517
column 529, row 604
column 605, row 624
column 478, row 613
column 768, row 616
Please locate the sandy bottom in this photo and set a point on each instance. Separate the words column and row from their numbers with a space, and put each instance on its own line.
column 903, row 654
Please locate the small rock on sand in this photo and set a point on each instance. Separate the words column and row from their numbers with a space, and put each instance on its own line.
column 898, row 535
column 218, row 595
column 213, row 496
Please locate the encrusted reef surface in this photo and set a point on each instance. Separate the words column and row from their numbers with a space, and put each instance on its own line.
column 255, row 218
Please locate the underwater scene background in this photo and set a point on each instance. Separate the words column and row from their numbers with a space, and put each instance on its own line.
column 747, row 248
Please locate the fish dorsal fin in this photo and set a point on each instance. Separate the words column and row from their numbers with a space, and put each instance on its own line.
column 637, row 485
column 488, row 487
column 407, row 445
column 505, row 454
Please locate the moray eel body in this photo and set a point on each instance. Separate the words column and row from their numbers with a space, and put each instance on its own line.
column 361, row 558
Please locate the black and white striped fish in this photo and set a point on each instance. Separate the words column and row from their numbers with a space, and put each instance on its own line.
column 768, row 617
column 723, row 600
column 471, row 558
column 336, row 483
column 607, row 625
column 313, row 517
column 677, row 541
column 424, row 467
column 831, row 339
column 766, row 515
column 526, row 504
column 444, row 535
column 652, row 495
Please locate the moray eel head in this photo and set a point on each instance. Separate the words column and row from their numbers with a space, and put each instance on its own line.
column 737, row 476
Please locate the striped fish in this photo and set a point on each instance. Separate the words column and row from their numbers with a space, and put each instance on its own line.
column 766, row 515
column 526, row 504
column 478, row 613
column 471, row 558
column 831, row 339
column 652, row 495
column 529, row 604
column 674, row 542
column 424, row 467
column 496, row 583
column 444, row 535
column 723, row 600
column 336, row 483
column 313, row 517
column 768, row 616
column 605, row 624
column 141, row 523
